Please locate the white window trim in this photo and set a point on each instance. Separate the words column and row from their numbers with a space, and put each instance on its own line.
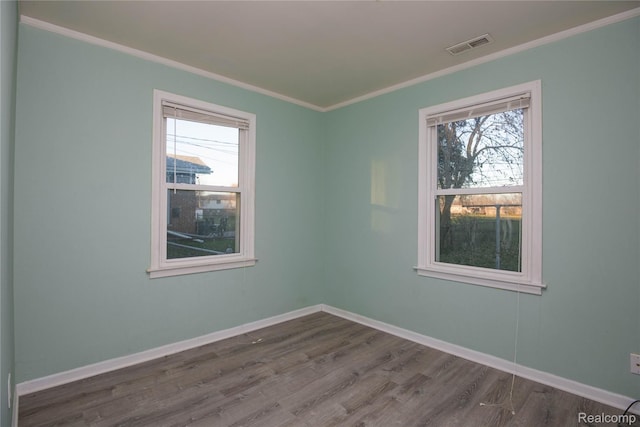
column 530, row 279
column 160, row 266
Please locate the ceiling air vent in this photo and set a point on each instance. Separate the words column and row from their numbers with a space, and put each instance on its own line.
column 457, row 49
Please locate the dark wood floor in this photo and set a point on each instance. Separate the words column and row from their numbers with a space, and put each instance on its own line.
column 318, row 370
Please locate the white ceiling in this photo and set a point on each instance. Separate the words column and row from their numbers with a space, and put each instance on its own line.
column 323, row 53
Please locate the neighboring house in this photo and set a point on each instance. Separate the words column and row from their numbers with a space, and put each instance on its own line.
column 196, row 212
column 216, row 214
column 181, row 209
column 185, row 168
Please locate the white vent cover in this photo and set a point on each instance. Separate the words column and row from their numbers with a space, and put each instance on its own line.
column 457, row 49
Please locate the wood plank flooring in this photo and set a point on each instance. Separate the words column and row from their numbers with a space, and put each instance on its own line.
column 318, row 370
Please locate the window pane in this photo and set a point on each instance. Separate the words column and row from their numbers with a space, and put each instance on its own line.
column 482, row 230
column 485, row 151
column 200, row 153
column 202, row 223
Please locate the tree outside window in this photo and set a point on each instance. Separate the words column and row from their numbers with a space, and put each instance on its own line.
column 480, row 189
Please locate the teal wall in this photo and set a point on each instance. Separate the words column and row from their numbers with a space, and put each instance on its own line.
column 587, row 322
column 83, row 210
column 8, row 48
column 336, row 212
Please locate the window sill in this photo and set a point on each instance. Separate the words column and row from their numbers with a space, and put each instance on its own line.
column 510, row 284
column 178, row 270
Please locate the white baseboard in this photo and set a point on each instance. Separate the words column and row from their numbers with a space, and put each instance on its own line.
column 87, row 371
column 587, row 391
column 599, row 395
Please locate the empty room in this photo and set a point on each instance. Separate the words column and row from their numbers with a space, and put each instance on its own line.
column 320, row 213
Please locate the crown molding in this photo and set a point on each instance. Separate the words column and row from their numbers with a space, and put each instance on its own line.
column 198, row 71
column 496, row 55
column 42, row 25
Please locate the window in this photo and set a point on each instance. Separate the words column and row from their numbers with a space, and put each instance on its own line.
column 203, row 187
column 480, row 190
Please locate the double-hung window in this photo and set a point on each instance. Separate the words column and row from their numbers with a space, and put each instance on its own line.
column 203, row 187
column 480, row 190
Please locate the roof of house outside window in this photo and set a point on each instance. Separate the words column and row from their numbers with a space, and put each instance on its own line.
column 187, row 164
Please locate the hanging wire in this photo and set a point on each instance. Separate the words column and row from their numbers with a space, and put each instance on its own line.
column 511, row 407
column 175, row 150
column 515, row 352
column 626, row 411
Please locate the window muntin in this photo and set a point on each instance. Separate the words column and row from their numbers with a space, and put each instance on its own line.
column 480, row 190
column 203, row 201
